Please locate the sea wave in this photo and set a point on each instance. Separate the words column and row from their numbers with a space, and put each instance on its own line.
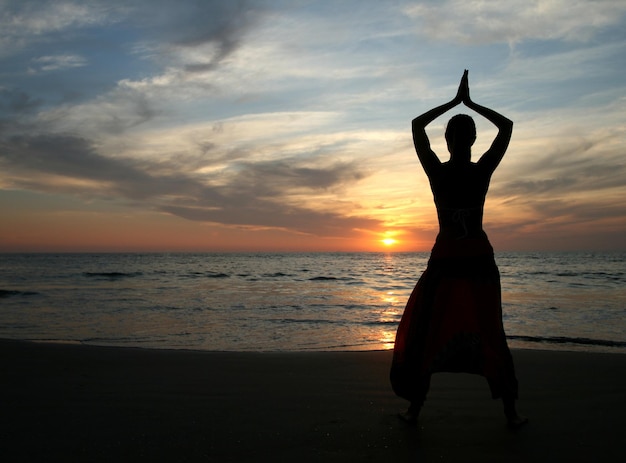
column 568, row 340
column 112, row 275
column 13, row 293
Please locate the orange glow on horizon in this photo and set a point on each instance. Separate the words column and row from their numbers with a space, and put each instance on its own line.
column 388, row 239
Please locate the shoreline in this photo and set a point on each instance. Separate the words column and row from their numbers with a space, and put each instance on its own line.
column 94, row 403
column 515, row 342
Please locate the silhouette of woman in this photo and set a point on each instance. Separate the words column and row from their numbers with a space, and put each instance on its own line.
column 453, row 318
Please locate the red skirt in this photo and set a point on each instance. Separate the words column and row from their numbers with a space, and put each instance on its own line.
column 453, row 322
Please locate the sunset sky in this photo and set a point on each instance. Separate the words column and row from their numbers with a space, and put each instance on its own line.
column 226, row 125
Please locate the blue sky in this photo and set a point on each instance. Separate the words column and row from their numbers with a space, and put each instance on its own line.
column 201, row 125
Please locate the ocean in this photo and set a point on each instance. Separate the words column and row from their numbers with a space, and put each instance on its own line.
column 293, row 301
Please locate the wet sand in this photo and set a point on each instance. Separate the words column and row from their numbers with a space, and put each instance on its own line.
column 85, row 403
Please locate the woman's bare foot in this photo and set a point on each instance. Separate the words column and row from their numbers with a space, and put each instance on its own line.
column 516, row 422
column 410, row 416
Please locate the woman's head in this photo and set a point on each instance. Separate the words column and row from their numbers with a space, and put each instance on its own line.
column 460, row 132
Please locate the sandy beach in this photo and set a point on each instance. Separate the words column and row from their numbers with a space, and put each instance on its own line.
column 84, row 403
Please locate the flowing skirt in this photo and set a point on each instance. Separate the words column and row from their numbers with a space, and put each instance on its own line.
column 453, row 322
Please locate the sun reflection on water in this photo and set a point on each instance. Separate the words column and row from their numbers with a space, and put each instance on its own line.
column 387, row 339
column 390, row 298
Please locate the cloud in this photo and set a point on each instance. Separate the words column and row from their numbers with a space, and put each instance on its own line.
column 257, row 214
column 112, row 113
column 513, row 21
column 255, row 194
column 23, row 23
column 285, row 173
column 194, row 37
column 17, row 109
column 14, row 101
column 68, row 157
column 588, row 161
column 564, row 76
column 56, row 62
column 176, row 49
column 191, row 23
column 562, row 180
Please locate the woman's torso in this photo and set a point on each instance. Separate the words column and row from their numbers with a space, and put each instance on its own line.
column 459, row 192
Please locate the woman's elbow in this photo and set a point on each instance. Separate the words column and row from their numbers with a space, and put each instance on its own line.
column 506, row 126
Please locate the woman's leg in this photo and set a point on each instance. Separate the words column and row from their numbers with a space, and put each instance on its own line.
column 415, row 407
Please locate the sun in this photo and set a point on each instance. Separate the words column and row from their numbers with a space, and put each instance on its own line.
column 388, row 238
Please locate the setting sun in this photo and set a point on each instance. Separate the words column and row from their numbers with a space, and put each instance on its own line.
column 388, row 241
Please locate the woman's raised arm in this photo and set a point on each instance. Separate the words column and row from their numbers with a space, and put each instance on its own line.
column 495, row 153
column 426, row 155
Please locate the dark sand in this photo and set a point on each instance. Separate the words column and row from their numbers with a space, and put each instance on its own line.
column 80, row 403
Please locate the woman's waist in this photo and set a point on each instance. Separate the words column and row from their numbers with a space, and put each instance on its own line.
column 460, row 231
column 449, row 245
column 460, row 223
